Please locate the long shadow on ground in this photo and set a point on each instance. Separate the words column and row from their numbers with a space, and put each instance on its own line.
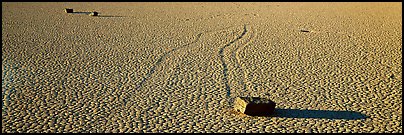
column 110, row 16
column 87, row 13
column 318, row 114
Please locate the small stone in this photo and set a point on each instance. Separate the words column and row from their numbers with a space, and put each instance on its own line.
column 254, row 106
column 392, row 76
column 94, row 14
column 304, row 31
column 69, row 10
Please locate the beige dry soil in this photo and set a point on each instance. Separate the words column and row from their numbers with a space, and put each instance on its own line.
column 177, row 67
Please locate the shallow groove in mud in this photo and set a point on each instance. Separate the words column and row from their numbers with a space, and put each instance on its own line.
column 158, row 62
column 10, row 80
column 225, row 69
column 151, row 71
column 235, row 55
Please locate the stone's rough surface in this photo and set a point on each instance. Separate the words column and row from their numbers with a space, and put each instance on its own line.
column 68, row 10
column 254, row 106
column 94, row 14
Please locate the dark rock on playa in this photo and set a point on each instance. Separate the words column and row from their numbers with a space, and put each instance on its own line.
column 69, row 10
column 304, row 31
column 94, row 14
column 254, row 106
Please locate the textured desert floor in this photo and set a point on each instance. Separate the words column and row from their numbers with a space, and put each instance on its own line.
column 176, row 67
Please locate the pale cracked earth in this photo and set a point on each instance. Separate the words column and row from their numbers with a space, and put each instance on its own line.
column 176, row 67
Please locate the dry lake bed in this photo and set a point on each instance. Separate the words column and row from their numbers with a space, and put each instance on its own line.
column 177, row 67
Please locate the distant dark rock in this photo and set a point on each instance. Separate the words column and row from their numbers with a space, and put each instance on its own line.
column 254, row 106
column 93, row 14
column 68, row 10
column 304, row 31
column 392, row 76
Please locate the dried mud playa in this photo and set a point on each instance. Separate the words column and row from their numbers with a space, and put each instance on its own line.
column 175, row 67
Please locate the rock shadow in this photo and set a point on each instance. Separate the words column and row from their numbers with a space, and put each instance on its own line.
column 318, row 114
column 110, row 16
column 106, row 16
column 86, row 13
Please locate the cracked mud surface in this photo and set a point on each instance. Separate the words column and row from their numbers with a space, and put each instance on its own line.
column 176, row 67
